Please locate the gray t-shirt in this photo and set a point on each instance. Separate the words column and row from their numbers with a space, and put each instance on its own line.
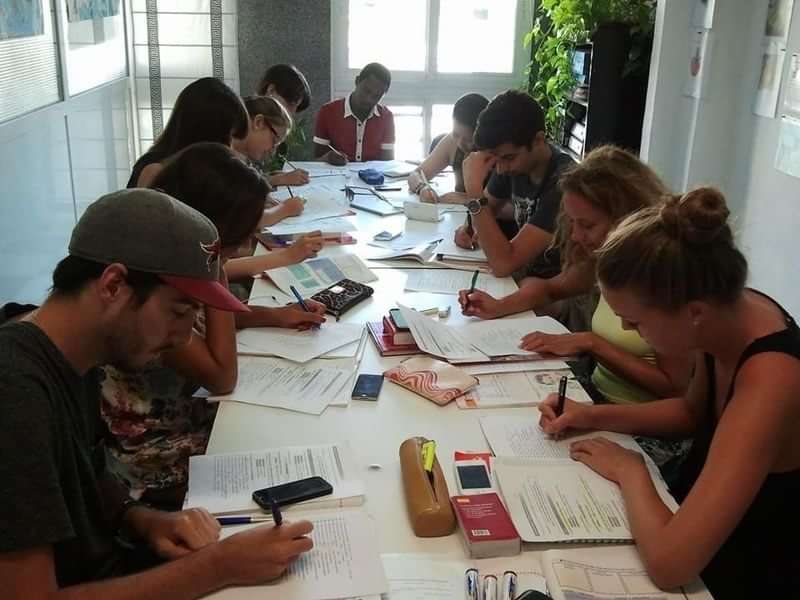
column 537, row 204
column 52, row 463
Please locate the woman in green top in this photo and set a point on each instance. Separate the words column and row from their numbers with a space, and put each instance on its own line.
column 598, row 193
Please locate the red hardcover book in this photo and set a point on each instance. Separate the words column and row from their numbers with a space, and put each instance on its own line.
column 385, row 342
column 486, row 527
column 399, row 338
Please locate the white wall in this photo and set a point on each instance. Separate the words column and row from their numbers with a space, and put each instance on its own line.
column 718, row 140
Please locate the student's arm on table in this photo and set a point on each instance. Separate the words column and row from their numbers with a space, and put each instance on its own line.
column 291, row 317
column 291, row 207
column 211, row 360
column 254, row 556
column 533, row 293
column 294, row 177
column 434, row 164
column 672, row 417
column 751, row 440
column 249, row 266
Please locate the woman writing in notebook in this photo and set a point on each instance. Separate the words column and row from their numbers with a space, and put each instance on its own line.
column 598, row 193
column 450, row 151
column 673, row 273
column 156, row 422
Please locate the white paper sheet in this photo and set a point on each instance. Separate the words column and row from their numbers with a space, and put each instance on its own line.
column 294, row 345
column 284, row 384
column 345, row 562
column 503, row 390
column 520, row 436
column 450, row 282
column 450, row 251
column 439, row 339
column 501, row 337
column 319, row 205
column 315, row 274
column 334, row 225
column 224, row 483
column 515, row 367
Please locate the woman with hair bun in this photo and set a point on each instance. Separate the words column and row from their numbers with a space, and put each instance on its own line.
column 673, row 273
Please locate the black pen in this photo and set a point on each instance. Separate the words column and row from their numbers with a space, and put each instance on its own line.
column 470, row 229
column 291, row 195
column 276, row 511
column 471, row 287
column 562, row 395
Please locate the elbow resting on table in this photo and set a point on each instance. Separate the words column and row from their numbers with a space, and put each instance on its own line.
column 669, row 569
column 222, row 382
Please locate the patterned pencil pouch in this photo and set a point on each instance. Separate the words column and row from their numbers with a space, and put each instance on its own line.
column 433, row 379
column 342, row 296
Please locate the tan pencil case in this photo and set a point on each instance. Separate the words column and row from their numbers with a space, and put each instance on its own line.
column 428, row 503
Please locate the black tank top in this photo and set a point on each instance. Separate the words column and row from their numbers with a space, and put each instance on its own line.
column 761, row 558
column 146, row 159
column 458, row 169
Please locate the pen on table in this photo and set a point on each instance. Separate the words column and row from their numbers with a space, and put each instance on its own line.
column 275, row 508
column 470, row 229
column 387, row 189
column 508, row 590
column 471, row 287
column 302, row 303
column 490, row 587
column 471, row 584
column 243, row 520
column 291, row 195
column 288, row 162
column 562, row 394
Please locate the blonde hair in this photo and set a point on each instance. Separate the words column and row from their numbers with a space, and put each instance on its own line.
column 676, row 252
column 613, row 181
column 271, row 109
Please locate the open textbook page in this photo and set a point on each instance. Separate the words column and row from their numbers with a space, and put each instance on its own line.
column 224, row 483
column 439, row 339
column 344, row 563
column 315, row 274
column 560, row 500
column 307, row 388
column 607, row 574
column 501, row 337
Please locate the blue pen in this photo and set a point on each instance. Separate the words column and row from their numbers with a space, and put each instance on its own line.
column 302, row 303
column 244, row 520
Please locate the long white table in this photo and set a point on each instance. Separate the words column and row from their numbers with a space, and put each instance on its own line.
column 374, row 430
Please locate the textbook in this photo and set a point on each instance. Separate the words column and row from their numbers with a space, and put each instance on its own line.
column 422, row 253
column 385, row 341
column 486, row 528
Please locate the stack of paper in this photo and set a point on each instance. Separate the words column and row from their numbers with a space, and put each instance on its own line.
column 284, row 384
column 224, row 483
column 333, row 225
column 529, row 388
column 297, row 346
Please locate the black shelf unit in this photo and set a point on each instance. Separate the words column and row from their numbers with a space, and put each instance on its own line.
column 593, row 116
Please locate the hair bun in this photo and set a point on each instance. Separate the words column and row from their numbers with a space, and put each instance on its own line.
column 698, row 217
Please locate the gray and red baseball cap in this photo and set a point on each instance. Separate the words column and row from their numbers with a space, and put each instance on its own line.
column 147, row 230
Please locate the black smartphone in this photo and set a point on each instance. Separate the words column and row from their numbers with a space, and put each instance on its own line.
column 532, row 595
column 292, row 492
column 367, row 387
column 397, row 318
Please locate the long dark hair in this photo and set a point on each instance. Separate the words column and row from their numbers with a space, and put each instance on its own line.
column 213, row 180
column 206, row 110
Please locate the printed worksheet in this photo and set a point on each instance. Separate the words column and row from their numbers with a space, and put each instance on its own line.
column 295, row 345
column 223, row 483
column 444, row 281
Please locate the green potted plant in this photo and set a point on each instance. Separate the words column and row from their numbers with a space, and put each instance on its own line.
column 559, row 26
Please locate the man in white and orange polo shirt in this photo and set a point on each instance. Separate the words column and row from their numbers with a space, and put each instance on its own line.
column 357, row 128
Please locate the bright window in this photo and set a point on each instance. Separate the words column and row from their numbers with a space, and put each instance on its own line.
column 437, row 50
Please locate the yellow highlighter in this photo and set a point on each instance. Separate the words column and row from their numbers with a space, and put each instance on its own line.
column 428, row 456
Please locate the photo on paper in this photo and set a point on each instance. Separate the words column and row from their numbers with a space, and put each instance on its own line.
column 21, row 18
column 791, row 100
column 787, row 158
column 703, row 13
column 86, row 10
column 779, row 16
column 699, row 58
column 769, row 80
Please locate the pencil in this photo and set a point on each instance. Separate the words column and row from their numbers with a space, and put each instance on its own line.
column 291, row 195
column 288, row 162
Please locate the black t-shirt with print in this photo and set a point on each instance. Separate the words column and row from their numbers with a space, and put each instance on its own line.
column 537, row 204
column 52, row 464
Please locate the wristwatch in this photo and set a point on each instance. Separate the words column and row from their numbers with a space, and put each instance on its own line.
column 475, row 205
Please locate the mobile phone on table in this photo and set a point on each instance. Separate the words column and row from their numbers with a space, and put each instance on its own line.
column 473, row 477
column 398, row 319
column 292, row 492
column 367, row 387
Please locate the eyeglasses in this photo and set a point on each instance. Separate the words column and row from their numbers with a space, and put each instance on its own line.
column 278, row 138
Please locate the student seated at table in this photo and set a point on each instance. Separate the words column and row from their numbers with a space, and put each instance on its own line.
column 673, row 273
column 607, row 186
column 451, row 151
column 117, row 298
column 287, row 84
column 156, row 422
column 524, row 186
column 206, row 110
column 357, row 128
column 270, row 123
